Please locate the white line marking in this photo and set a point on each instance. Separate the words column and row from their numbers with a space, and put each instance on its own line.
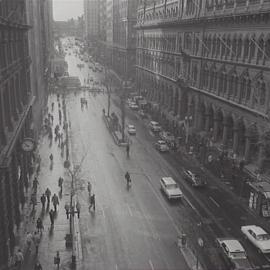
column 116, row 267
column 213, row 201
column 129, row 210
column 151, row 265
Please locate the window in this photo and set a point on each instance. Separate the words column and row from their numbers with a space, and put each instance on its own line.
column 262, row 94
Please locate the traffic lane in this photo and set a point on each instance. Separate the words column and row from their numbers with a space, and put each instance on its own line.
column 221, row 222
column 156, row 258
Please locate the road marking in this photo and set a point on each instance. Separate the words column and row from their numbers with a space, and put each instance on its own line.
column 129, row 210
column 116, row 267
column 151, row 264
column 213, row 201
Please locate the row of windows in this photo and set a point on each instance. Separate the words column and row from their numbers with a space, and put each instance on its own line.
column 220, row 46
column 228, row 84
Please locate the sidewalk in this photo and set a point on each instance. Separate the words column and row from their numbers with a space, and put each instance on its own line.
column 53, row 238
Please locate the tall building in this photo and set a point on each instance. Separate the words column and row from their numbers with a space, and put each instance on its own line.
column 18, row 109
column 205, row 65
column 124, row 38
column 91, row 15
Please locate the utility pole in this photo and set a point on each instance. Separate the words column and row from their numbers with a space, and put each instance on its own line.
column 123, row 109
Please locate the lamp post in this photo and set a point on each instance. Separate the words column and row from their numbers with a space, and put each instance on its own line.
column 123, row 108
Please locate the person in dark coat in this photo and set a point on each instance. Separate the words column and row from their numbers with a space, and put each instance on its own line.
column 43, row 200
column 51, row 214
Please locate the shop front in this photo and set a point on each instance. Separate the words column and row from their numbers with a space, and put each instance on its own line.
column 259, row 198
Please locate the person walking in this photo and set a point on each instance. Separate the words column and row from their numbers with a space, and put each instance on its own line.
column 78, row 208
column 57, row 259
column 39, row 225
column 19, row 259
column 36, row 240
column 51, row 214
column 67, row 209
column 43, row 200
column 92, row 202
column 38, row 266
column 33, row 200
column 127, row 149
column 55, row 201
column 35, row 184
column 29, row 238
column 60, row 183
column 51, row 158
column 48, row 195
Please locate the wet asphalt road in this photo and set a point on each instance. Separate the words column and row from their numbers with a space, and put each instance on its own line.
column 137, row 229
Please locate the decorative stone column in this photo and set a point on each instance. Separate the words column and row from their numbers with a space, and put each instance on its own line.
column 247, row 148
column 207, row 122
column 225, row 132
column 261, row 154
column 215, row 131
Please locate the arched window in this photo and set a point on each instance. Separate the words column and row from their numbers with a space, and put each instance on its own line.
column 260, row 49
column 234, row 46
column 239, row 47
column 218, row 46
column 235, row 87
column 228, row 48
column 246, row 48
column 252, row 48
column 220, row 85
column 267, row 48
column 248, row 90
column 242, row 89
column 212, row 80
column 214, row 47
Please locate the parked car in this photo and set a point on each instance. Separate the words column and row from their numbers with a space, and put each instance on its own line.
column 162, row 146
column 167, row 136
column 194, row 179
column 131, row 129
column 233, row 254
column 170, row 188
column 258, row 237
column 154, row 126
column 133, row 106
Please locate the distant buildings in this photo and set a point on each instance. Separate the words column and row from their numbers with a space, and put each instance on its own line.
column 24, row 71
column 113, row 34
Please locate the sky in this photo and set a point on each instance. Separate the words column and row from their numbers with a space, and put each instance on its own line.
column 66, row 9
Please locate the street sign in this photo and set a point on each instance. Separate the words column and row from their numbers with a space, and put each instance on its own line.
column 200, row 242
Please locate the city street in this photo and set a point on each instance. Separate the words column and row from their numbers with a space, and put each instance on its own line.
column 137, row 229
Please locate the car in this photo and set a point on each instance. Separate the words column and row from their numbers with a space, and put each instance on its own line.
column 162, row 146
column 233, row 253
column 194, row 179
column 167, row 136
column 258, row 237
column 133, row 106
column 170, row 188
column 131, row 129
column 154, row 126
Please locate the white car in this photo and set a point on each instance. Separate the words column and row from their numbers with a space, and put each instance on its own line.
column 234, row 254
column 162, row 146
column 133, row 106
column 131, row 129
column 154, row 126
column 167, row 136
column 170, row 188
column 258, row 237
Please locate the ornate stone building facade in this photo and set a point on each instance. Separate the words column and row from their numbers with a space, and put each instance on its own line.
column 208, row 61
column 20, row 109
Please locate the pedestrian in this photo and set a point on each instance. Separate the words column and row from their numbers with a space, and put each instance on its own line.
column 33, row 200
column 35, row 184
column 127, row 149
column 60, row 115
column 38, row 266
column 89, row 187
column 51, row 157
column 36, row 240
column 39, row 225
column 78, row 207
column 92, row 202
column 57, row 259
column 48, row 195
column 67, row 209
column 52, row 118
column 51, row 214
column 55, row 201
column 60, row 183
column 43, row 200
column 52, row 106
column 19, row 259
column 29, row 238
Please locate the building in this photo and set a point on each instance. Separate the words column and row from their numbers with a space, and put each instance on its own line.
column 91, row 18
column 124, row 38
column 18, row 109
column 204, row 67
